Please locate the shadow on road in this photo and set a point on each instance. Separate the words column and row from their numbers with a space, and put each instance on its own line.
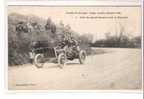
column 72, row 64
column 52, row 66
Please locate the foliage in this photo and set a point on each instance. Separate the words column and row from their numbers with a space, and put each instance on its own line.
column 23, row 30
column 121, row 39
column 122, row 42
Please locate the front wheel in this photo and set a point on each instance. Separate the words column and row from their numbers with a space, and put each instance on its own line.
column 61, row 60
column 39, row 60
column 82, row 56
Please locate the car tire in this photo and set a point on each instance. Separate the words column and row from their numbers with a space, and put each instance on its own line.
column 61, row 60
column 39, row 60
column 82, row 56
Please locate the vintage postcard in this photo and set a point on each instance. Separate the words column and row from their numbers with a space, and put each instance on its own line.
column 74, row 47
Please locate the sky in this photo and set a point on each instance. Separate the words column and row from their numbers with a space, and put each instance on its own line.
column 95, row 26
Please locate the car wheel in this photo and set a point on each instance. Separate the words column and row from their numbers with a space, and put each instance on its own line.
column 39, row 60
column 61, row 60
column 82, row 56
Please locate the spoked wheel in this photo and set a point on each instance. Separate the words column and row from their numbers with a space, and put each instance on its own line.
column 39, row 60
column 61, row 60
column 82, row 56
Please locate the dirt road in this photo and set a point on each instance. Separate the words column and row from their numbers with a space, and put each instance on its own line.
column 117, row 69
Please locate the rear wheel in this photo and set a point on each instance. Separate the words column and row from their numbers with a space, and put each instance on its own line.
column 82, row 56
column 61, row 60
column 39, row 60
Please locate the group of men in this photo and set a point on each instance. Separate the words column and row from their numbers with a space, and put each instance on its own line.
column 67, row 40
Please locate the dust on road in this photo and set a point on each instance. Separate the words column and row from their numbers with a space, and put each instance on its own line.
column 117, row 69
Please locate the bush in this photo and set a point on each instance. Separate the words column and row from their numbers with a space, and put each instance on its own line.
column 20, row 36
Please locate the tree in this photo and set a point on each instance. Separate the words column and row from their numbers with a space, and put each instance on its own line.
column 50, row 26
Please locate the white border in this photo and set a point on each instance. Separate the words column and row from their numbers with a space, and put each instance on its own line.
column 69, row 2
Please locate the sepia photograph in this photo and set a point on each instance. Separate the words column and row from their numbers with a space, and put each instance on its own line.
column 74, row 47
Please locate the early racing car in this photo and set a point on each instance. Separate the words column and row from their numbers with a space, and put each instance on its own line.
column 41, row 52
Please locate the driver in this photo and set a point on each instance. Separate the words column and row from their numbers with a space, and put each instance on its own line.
column 67, row 41
column 74, row 44
column 70, row 43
